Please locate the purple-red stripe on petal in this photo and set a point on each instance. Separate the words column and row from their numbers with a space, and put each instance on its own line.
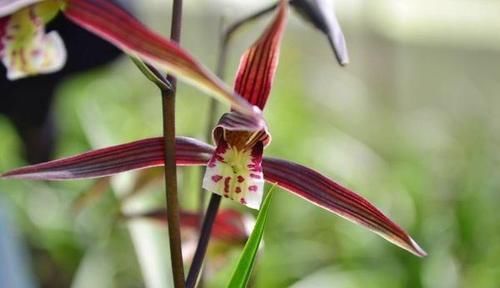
column 320, row 190
column 112, row 160
column 114, row 24
column 258, row 64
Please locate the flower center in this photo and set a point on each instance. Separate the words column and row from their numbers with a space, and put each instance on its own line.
column 236, row 173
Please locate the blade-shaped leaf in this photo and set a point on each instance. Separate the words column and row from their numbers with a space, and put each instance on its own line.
column 321, row 14
column 8, row 7
column 320, row 190
column 152, row 75
column 112, row 160
column 114, row 24
column 241, row 274
column 258, row 64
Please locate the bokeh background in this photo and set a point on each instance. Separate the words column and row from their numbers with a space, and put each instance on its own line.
column 411, row 123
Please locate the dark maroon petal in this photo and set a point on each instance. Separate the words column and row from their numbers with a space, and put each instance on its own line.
column 258, row 65
column 322, row 191
column 112, row 160
column 117, row 26
column 229, row 225
column 321, row 14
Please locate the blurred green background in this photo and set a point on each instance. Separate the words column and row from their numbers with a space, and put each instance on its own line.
column 411, row 123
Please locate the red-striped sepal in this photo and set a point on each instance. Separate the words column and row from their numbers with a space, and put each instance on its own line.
column 322, row 191
column 117, row 26
column 113, row 160
column 321, row 14
column 258, row 64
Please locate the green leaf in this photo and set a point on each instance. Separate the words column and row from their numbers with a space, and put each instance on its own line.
column 151, row 74
column 241, row 274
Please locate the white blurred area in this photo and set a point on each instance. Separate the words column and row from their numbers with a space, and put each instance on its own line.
column 473, row 24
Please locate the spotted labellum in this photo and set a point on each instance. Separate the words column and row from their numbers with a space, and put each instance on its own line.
column 26, row 49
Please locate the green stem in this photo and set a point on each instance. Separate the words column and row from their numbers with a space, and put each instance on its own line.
column 168, row 108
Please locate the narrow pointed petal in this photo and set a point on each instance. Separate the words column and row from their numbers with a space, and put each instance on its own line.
column 258, row 64
column 25, row 48
column 229, row 225
column 112, row 160
column 320, row 190
column 8, row 7
column 321, row 14
column 112, row 23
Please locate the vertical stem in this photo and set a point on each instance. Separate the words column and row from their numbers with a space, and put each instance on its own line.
column 168, row 108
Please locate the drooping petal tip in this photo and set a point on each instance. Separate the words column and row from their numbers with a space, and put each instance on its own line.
column 327, row 194
column 258, row 64
column 116, row 159
column 417, row 250
column 321, row 14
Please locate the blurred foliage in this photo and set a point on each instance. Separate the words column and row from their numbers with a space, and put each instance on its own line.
column 414, row 127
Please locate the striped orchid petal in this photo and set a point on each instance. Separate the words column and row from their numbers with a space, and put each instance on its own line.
column 320, row 190
column 229, row 226
column 109, row 161
column 299, row 180
column 258, row 64
column 25, row 48
column 114, row 24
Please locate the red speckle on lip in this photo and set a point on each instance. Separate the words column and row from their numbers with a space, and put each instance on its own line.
column 216, row 178
column 241, row 179
column 237, row 190
column 253, row 188
column 255, row 176
column 226, row 184
column 243, row 201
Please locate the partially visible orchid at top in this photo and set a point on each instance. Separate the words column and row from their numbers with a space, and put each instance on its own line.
column 236, row 167
column 26, row 49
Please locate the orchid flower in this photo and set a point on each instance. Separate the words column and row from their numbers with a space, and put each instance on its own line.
column 26, row 49
column 236, row 167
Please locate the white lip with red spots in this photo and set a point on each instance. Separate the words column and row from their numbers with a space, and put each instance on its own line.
column 26, row 48
column 236, row 174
